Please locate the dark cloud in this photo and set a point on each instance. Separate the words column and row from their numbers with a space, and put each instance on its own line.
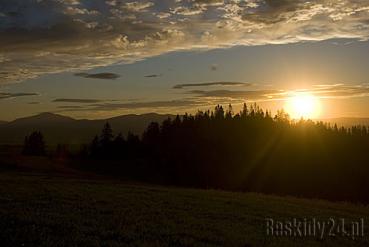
column 246, row 95
column 64, row 100
column 153, row 75
column 138, row 105
column 68, row 107
column 134, row 105
column 207, row 84
column 214, row 67
column 106, row 76
column 16, row 95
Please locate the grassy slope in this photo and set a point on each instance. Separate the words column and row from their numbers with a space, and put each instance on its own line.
column 41, row 210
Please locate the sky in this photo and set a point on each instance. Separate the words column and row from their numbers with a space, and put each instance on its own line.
column 98, row 59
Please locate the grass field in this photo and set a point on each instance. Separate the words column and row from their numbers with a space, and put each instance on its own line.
column 47, row 210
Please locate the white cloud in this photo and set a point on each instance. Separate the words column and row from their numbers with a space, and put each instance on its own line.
column 163, row 15
column 137, row 6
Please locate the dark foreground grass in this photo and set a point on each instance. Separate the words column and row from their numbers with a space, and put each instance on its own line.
column 41, row 210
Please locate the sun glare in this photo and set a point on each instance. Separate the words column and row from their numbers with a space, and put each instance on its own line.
column 303, row 105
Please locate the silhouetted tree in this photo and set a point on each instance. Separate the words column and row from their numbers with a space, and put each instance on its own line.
column 61, row 151
column 95, row 147
column 250, row 151
column 282, row 116
column 118, row 146
column 119, row 140
column 219, row 112
column 229, row 113
column 151, row 134
column 245, row 111
column 34, row 144
column 106, row 136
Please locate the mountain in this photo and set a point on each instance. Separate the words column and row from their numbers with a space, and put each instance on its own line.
column 347, row 122
column 43, row 118
column 65, row 130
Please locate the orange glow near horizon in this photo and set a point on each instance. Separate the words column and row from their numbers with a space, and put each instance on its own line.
column 303, row 105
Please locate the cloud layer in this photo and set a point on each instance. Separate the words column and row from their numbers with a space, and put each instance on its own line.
column 208, row 84
column 332, row 91
column 153, row 75
column 107, row 107
column 201, row 98
column 64, row 100
column 49, row 36
column 105, row 76
column 15, row 95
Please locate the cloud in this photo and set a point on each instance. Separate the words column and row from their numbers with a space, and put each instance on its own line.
column 214, row 67
column 153, row 75
column 341, row 90
column 134, row 105
column 137, row 6
column 333, row 91
column 16, row 95
column 254, row 95
column 106, row 76
column 207, row 84
column 138, row 105
column 70, row 107
column 64, row 100
column 52, row 36
column 208, row 98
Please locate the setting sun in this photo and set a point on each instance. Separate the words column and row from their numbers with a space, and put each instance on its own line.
column 303, row 105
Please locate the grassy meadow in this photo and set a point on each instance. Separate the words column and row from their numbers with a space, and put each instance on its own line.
column 40, row 209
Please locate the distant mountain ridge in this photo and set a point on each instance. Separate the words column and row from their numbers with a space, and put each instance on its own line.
column 42, row 118
column 347, row 121
column 59, row 129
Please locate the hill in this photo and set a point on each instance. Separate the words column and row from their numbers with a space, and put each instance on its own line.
column 348, row 122
column 61, row 129
column 41, row 210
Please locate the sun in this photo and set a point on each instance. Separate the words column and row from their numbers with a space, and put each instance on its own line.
column 303, row 105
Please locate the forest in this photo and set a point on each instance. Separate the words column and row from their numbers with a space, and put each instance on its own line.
column 246, row 151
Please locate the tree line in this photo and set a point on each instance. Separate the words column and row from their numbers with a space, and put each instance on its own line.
column 249, row 151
